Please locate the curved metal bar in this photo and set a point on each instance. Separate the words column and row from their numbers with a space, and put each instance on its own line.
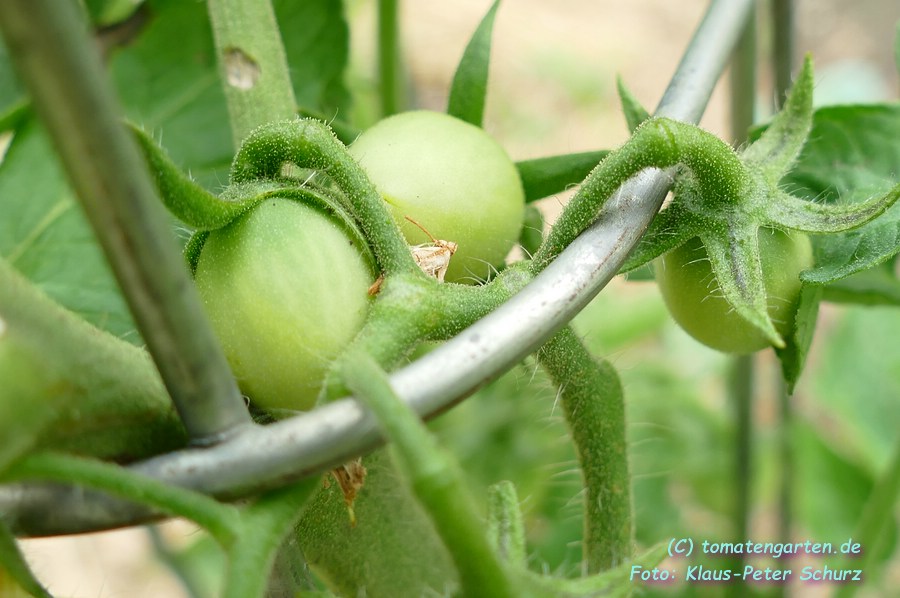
column 264, row 457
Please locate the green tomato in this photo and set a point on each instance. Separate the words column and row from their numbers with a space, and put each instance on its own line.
column 285, row 288
column 453, row 179
column 692, row 295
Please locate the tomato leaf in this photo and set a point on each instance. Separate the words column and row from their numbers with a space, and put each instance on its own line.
column 469, row 88
column 797, row 343
column 875, row 286
column 45, row 236
column 542, row 177
column 635, row 113
column 173, row 91
column 851, row 155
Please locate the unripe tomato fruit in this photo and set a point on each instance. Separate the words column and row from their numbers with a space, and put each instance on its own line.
column 451, row 177
column 285, row 288
column 692, row 294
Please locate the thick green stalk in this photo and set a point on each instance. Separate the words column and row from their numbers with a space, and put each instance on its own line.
column 435, row 478
column 58, row 62
column 264, row 526
column 390, row 80
column 591, row 397
column 252, row 64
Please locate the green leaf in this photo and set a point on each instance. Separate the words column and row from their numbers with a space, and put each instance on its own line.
column 875, row 286
column 317, row 43
column 635, row 113
column 542, row 177
column 852, row 155
column 469, row 88
column 44, row 235
column 781, row 142
column 797, row 343
column 172, row 90
column 109, row 12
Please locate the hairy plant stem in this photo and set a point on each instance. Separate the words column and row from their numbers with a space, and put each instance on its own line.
column 390, row 67
column 264, row 526
column 434, row 477
column 252, row 64
column 591, row 396
column 658, row 142
column 60, row 66
column 308, row 143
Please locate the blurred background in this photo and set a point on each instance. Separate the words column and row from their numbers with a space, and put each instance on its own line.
column 552, row 90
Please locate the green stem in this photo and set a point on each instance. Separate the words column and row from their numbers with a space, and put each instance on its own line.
column 58, row 62
column 252, row 64
column 434, row 477
column 308, row 143
column 220, row 520
column 660, row 143
column 389, row 57
column 740, row 387
column 591, row 396
column 87, row 391
column 265, row 525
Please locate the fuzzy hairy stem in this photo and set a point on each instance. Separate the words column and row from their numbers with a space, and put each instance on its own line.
column 252, row 64
column 434, row 477
column 658, row 142
column 265, row 524
column 591, row 396
column 308, row 143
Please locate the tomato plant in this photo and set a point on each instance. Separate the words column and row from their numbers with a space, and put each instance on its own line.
column 302, row 294
column 451, row 177
column 285, row 287
column 692, row 295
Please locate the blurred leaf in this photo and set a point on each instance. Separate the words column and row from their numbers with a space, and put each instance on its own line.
column 469, row 88
column 13, row 565
column 875, row 286
column 110, row 12
column 542, row 177
column 857, row 382
column 12, row 95
column 44, row 235
column 832, row 490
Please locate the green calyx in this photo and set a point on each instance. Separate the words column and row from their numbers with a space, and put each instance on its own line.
column 728, row 218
